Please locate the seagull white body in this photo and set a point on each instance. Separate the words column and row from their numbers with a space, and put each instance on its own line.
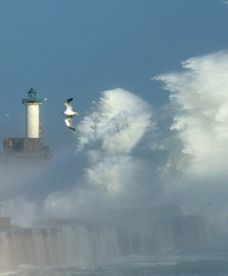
column 69, row 113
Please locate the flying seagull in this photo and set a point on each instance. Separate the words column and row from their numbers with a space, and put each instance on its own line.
column 69, row 113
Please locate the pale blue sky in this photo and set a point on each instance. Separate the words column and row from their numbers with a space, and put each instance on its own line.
column 77, row 48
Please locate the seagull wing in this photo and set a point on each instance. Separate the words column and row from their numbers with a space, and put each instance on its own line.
column 68, row 105
column 68, row 101
column 69, row 122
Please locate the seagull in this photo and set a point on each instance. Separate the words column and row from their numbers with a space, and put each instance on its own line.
column 69, row 113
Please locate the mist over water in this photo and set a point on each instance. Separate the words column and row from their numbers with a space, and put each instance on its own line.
column 136, row 183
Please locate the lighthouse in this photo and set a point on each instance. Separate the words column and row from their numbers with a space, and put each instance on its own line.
column 31, row 145
column 32, row 114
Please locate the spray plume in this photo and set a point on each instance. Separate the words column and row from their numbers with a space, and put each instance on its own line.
column 200, row 100
column 109, row 137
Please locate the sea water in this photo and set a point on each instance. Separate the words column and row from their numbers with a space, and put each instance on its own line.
column 176, row 244
column 175, row 265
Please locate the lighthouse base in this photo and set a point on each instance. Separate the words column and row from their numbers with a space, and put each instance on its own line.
column 25, row 147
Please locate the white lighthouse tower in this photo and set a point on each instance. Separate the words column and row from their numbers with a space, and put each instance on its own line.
column 32, row 112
